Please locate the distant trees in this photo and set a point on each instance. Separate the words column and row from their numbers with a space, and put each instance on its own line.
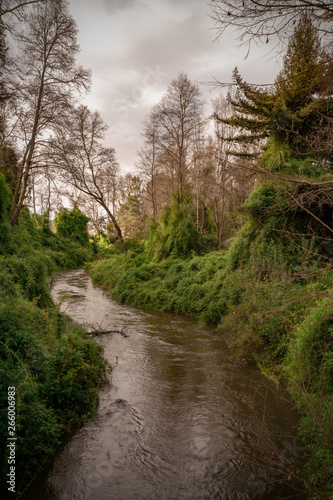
column 130, row 212
column 178, row 161
column 47, row 81
column 148, row 160
column 232, row 180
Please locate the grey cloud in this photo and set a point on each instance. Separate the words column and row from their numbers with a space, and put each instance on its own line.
column 135, row 48
column 112, row 5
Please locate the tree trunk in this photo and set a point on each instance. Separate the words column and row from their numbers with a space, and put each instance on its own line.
column 114, row 222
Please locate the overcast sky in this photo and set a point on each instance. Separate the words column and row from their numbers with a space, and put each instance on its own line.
column 136, row 47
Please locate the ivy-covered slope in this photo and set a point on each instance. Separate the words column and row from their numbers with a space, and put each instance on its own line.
column 270, row 292
column 55, row 368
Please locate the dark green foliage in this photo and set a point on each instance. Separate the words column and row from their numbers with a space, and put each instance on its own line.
column 9, row 166
column 72, row 224
column 297, row 111
column 262, row 292
column 55, row 368
column 56, row 379
column 175, row 235
column 43, row 223
column 278, row 157
column 309, row 368
column 4, row 199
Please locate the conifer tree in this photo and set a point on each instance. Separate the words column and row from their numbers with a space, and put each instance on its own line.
column 300, row 102
column 300, row 95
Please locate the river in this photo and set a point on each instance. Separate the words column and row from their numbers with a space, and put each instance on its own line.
column 178, row 421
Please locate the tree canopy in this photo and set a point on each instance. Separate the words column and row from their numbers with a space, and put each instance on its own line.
column 265, row 20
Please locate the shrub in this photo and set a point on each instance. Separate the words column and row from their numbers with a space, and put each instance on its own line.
column 72, row 224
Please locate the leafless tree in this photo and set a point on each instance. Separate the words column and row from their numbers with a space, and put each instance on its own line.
column 261, row 20
column 48, row 81
column 11, row 7
column 176, row 116
column 148, row 161
column 233, row 178
column 198, row 173
column 88, row 166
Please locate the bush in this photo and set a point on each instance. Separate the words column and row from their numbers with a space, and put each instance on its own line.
column 73, row 225
column 309, row 369
column 56, row 373
column 56, row 369
column 176, row 235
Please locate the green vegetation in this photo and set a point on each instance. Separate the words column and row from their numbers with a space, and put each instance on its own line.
column 72, row 224
column 296, row 111
column 269, row 288
column 270, row 292
column 55, row 367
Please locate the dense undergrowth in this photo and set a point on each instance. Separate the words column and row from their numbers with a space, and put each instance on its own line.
column 55, row 367
column 270, row 292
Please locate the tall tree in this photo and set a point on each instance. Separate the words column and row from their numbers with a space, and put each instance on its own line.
column 148, row 161
column 303, row 88
column 130, row 209
column 176, row 117
column 88, row 166
column 299, row 103
column 48, row 82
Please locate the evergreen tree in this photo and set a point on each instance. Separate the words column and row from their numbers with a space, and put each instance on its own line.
column 130, row 211
column 302, row 98
column 296, row 107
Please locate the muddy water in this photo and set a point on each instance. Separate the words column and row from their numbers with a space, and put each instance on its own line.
column 178, row 421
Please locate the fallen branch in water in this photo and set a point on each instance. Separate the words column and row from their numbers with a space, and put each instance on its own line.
column 100, row 332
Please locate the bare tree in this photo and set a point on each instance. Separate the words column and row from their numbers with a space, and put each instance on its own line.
column 88, row 166
column 176, row 117
column 148, row 161
column 10, row 6
column 262, row 20
column 233, row 178
column 198, row 174
column 48, row 81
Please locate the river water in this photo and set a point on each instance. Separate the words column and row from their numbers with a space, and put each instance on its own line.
column 178, row 421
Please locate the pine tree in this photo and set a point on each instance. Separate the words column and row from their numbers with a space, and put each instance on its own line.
column 297, row 107
column 300, row 96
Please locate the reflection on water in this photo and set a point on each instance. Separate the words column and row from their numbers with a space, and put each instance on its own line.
column 178, row 421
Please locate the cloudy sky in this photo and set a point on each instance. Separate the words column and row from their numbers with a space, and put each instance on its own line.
column 136, row 47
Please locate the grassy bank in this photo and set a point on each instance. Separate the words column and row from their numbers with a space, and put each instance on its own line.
column 53, row 369
column 270, row 292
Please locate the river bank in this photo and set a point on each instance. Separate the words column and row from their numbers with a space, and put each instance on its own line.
column 272, row 315
column 50, row 370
